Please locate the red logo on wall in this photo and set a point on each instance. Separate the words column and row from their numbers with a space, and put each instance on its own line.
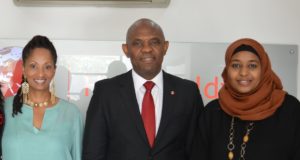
column 10, row 70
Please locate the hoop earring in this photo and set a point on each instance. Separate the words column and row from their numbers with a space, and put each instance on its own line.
column 25, row 90
column 52, row 91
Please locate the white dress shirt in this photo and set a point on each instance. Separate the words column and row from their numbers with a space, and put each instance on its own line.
column 157, row 94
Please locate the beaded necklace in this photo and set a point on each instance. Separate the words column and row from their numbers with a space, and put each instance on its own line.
column 231, row 145
column 35, row 105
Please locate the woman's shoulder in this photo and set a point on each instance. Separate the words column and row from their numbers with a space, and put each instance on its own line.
column 65, row 103
column 290, row 107
column 290, row 99
column 68, row 106
column 291, row 102
column 213, row 109
column 9, row 99
column 213, row 105
column 8, row 102
column 8, row 105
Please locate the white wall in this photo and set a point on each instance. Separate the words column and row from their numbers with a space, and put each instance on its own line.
column 268, row 21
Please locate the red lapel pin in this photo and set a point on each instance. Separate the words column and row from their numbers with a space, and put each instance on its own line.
column 172, row 93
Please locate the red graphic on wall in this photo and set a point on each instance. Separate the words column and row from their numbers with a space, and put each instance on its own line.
column 210, row 89
column 10, row 70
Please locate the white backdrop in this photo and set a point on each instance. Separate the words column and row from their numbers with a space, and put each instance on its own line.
column 268, row 21
column 82, row 63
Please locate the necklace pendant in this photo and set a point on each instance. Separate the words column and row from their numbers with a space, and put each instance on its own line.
column 230, row 155
column 246, row 138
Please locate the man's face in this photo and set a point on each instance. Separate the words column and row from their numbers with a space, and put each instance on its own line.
column 146, row 48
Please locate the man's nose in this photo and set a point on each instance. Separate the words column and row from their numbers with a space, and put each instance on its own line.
column 146, row 48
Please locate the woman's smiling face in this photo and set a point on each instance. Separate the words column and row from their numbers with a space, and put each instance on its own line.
column 39, row 69
column 244, row 71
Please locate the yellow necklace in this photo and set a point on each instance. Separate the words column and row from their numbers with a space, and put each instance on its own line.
column 38, row 104
column 231, row 145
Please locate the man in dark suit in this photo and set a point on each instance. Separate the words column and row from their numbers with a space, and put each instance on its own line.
column 126, row 120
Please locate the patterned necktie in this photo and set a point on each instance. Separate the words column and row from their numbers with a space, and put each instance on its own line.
column 148, row 113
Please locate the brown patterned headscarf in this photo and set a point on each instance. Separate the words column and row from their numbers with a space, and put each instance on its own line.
column 260, row 103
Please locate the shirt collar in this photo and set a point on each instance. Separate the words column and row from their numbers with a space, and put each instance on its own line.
column 139, row 81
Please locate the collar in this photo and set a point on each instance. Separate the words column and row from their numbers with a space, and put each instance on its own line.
column 139, row 81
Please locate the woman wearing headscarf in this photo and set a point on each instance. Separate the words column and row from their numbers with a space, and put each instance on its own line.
column 254, row 118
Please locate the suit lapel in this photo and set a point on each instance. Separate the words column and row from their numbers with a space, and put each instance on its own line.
column 130, row 102
column 169, row 100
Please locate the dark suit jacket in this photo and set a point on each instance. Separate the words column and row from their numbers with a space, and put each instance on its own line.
column 114, row 128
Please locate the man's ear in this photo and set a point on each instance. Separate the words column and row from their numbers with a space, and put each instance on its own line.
column 166, row 46
column 125, row 50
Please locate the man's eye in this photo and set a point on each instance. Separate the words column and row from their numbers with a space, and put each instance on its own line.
column 137, row 43
column 155, row 42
